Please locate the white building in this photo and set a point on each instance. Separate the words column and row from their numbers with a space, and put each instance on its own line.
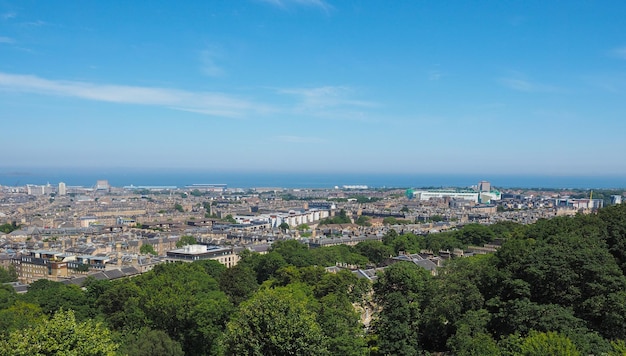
column 440, row 194
column 224, row 255
column 62, row 189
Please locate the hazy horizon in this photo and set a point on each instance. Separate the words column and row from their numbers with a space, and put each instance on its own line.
column 247, row 179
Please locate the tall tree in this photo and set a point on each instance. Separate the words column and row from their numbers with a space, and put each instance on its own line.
column 275, row 322
column 294, row 252
column 8, row 274
column 186, row 240
column 239, row 283
column 148, row 342
column 61, row 335
column 548, row 343
column 400, row 292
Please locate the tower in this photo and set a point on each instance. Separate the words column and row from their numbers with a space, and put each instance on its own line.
column 484, row 186
column 62, row 189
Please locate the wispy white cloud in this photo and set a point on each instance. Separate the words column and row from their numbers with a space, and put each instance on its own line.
column 619, row 52
column 321, row 4
column 8, row 15
column 299, row 139
column 37, row 23
column 614, row 82
column 8, row 40
column 522, row 84
column 208, row 60
column 209, row 103
column 434, row 75
column 330, row 102
column 326, row 96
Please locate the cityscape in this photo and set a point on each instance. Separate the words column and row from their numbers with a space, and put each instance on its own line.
column 312, row 177
column 67, row 233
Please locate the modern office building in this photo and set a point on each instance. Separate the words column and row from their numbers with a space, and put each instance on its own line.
column 224, row 255
column 440, row 194
column 476, row 197
column 62, row 189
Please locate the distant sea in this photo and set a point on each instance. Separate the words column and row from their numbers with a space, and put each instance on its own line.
column 181, row 178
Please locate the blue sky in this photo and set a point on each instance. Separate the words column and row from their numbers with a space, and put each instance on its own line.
column 501, row 87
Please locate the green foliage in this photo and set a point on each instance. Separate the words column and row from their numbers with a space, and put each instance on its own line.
column 618, row 348
column 554, row 287
column 266, row 265
column 341, row 218
column 275, row 322
column 8, row 274
column 7, row 228
column 443, row 241
column 340, row 323
column 480, row 344
column 122, row 306
column 82, row 267
column 147, row 249
column 212, row 268
column 148, row 342
column 435, row 218
column 18, row 316
column 294, row 252
column 61, row 335
column 239, row 283
column 186, row 240
column 548, row 344
column 207, row 208
column 7, row 296
column 573, row 271
column 185, row 302
column 474, row 234
column 329, row 256
column 180, row 299
column 506, row 229
column 229, row 219
column 283, row 226
column 613, row 233
column 400, row 292
column 302, row 227
column 363, row 221
column 455, row 302
column 407, row 242
column 179, row 208
column 361, row 199
column 375, row 251
column 390, row 220
column 54, row 296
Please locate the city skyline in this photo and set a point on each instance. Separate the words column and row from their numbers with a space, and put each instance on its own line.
column 315, row 86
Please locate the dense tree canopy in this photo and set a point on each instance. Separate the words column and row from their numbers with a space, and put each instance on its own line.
column 60, row 335
column 8, row 274
column 275, row 322
column 553, row 287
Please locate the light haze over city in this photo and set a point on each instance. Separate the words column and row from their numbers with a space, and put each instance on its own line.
column 492, row 87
